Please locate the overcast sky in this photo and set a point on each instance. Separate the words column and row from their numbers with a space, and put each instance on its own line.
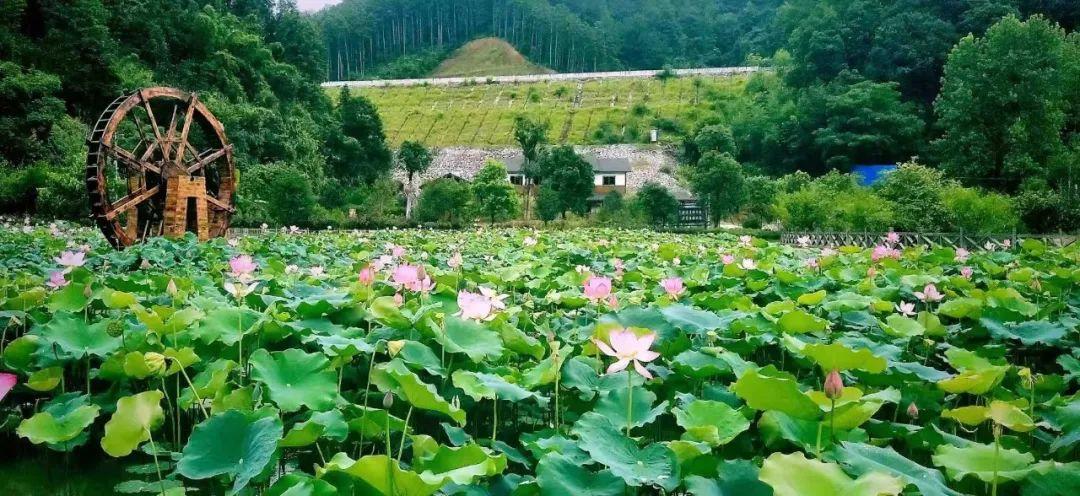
column 313, row 5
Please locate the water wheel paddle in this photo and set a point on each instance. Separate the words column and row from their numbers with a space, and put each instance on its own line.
column 159, row 164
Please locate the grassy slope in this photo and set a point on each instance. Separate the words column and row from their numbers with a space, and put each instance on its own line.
column 487, row 57
column 610, row 111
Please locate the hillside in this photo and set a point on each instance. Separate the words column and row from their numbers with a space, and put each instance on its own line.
column 487, row 57
column 577, row 112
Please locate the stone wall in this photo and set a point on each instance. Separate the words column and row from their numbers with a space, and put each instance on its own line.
column 647, row 164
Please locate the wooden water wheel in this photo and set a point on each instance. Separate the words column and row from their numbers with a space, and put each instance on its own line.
column 159, row 165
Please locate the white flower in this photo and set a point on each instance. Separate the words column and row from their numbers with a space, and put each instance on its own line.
column 316, row 271
column 748, row 264
column 238, row 290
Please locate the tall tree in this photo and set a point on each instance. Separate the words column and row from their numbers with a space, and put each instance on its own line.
column 357, row 150
column 530, row 134
column 414, row 158
column 569, row 175
column 718, row 181
column 495, row 197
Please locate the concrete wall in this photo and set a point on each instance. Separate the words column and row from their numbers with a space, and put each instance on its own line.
column 647, row 164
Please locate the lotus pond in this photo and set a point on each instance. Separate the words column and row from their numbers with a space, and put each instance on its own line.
column 514, row 362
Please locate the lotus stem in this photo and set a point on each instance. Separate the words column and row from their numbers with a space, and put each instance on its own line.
column 194, row 392
column 157, row 466
column 817, row 446
column 404, row 434
column 997, row 450
column 832, row 419
column 629, row 401
column 494, row 418
column 367, row 390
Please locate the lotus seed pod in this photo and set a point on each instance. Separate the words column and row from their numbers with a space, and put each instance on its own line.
column 387, row 401
column 834, row 385
column 154, row 361
column 115, row 328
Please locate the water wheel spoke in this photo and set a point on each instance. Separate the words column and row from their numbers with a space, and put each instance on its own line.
column 219, row 204
column 188, row 114
column 130, row 201
column 150, row 115
column 206, row 159
column 127, row 158
column 170, row 135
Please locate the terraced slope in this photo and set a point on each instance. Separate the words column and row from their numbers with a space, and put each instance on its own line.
column 577, row 112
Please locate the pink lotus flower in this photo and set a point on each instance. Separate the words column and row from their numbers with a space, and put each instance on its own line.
column 966, row 272
column 406, row 275
column 242, row 266
column 748, row 264
column 292, row 269
column 962, row 255
column 480, row 306
column 727, row 259
column 71, row 259
column 905, row 308
column 529, row 241
column 397, row 251
column 56, row 280
column 912, row 410
column 627, row 347
column 892, row 238
column 928, row 294
column 1007, row 244
column 367, row 275
column 803, row 241
column 612, row 302
column 7, row 383
column 381, row 262
column 827, row 252
column 597, row 288
column 871, row 272
column 880, row 252
column 811, row 263
column 316, row 271
column 398, row 300
column 673, row 286
column 455, row 261
column 618, row 264
column 834, row 385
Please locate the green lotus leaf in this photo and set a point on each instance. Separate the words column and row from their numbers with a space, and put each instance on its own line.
column 734, row 478
column 386, row 312
column 296, row 379
column 372, row 422
column 62, row 420
column 558, row 475
column 959, row 308
column 300, row 484
column 983, row 461
column 774, row 426
column 1029, row 333
column 377, row 475
column 764, row 392
column 864, row 459
column 1011, row 299
column 135, row 417
column 461, row 465
column 470, row 338
column 799, row 321
column 795, row 475
column 208, row 383
column 395, row 377
column 517, row 340
column 968, row 415
column 118, row 299
column 974, row 381
column 856, row 413
column 226, row 325
column 179, row 358
column 70, row 298
column 699, row 365
column 479, row 385
column 418, row 355
column 691, row 319
column 1010, row 416
column 1060, row 479
column 711, row 422
column 605, row 443
column 19, row 353
column 905, row 327
column 139, row 366
column 837, row 356
column 612, row 405
column 72, row 335
column 233, row 444
column 544, row 373
column 329, row 424
column 811, row 299
column 1066, row 420
column 45, row 379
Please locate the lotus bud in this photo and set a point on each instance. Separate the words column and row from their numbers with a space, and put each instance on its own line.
column 387, row 401
column 154, row 361
column 912, row 410
column 398, row 299
column 834, row 385
column 394, row 347
column 171, row 288
column 145, row 264
column 115, row 328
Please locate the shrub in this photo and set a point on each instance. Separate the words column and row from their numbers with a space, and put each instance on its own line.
column 861, row 210
column 804, row 210
column 657, row 205
column 718, row 181
column 760, row 195
column 445, row 200
column 547, row 203
column 983, row 212
column 916, row 192
column 494, row 196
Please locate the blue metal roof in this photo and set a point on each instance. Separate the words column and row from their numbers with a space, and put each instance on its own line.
column 870, row 174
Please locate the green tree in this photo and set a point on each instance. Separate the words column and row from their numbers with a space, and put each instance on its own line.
column 710, row 138
column 658, row 206
column 357, row 150
column 1002, row 105
column 445, row 200
column 530, row 134
column 915, row 192
column 414, row 158
column 718, row 182
column 547, row 203
column 569, row 175
column 495, row 198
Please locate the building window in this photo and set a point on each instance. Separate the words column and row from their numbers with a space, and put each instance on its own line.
column 515, row 179
column 609, row 181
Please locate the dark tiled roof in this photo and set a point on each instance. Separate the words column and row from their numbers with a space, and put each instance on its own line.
column 599, row 164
